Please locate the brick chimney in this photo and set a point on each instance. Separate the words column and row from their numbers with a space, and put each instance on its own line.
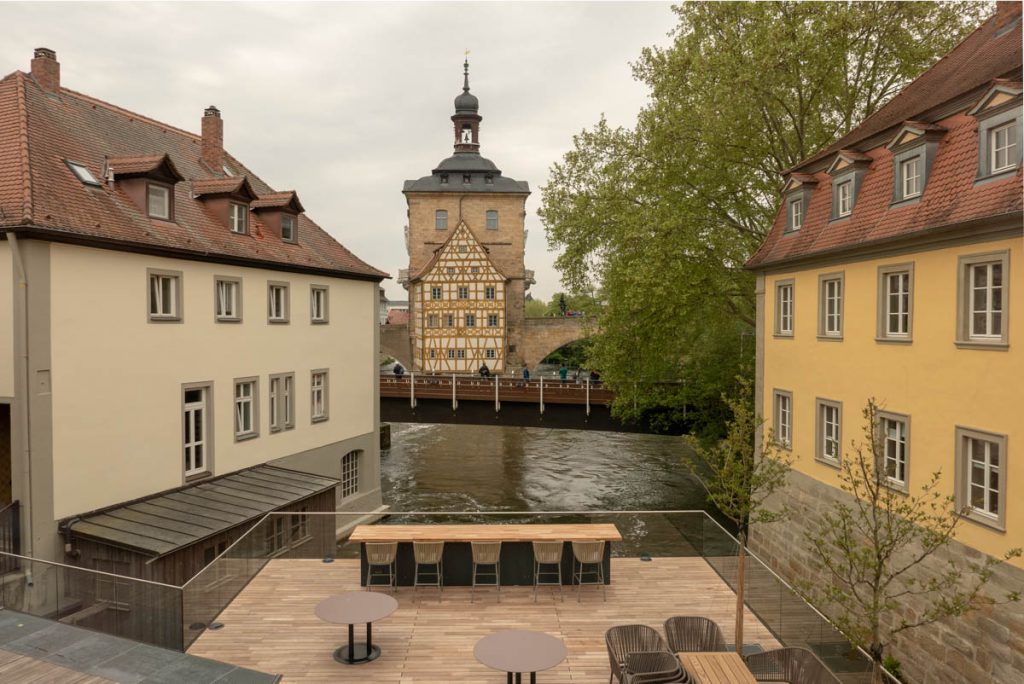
column 212, row 151
column 46, row 69
column 1006, row 13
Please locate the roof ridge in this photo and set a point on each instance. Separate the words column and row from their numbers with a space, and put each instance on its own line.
column 128, row 112
column 26, row 171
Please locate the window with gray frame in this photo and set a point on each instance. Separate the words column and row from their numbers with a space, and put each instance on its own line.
column 796, row 214
column 844, row 198
column 981, row 476
column 489, row 292
column 894, row 440
column 196, row 446
column 492, row 320
column 463, row 293
column 238, row 218
column 277, row 302
column 350, row 474
column 470, row 320
column 489, row 354
column 435, row 293
column 164, row 295
column 492, row 219
column 912, row 162
column 288, row 223
column 433, row 321
column 830, row 306
column 318, row 396
column 999, row 144
column 246, row 415
column 828, row 431
column 281, row 406
column 784, row 418
column 441, row 219
column 784, row 303
column 318, row 304
column 227, row 299
column 275, row 538
column 983, row 297
column 895, row 302
column 158, row 201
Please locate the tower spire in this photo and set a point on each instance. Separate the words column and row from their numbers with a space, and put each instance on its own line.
column 467, row 117
column 465, row 72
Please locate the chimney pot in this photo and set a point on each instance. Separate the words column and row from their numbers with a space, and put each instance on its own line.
column 212, row 147
column 46, row 69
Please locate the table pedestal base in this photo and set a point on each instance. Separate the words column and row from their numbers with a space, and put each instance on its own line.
column 358, row 652
column 519, row 678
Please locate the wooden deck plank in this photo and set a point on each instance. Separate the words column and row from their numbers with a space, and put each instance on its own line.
column 717, row 668
column 430, row 638
column 484, row 532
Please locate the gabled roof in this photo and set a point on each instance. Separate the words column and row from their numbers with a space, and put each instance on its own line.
column 1001, row 88
column 912, row 130
column 847, row 158
column 461, row 231
column 797, row 179
column 288, row 199
column 233, row 186
column 985, row 54
column 154, row 164
column 40, row 196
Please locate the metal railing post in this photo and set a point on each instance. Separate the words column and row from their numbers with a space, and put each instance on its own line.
column 497, row 402
column 588, row 397
column 412, row 390
column 455, row 402
column 542, row 395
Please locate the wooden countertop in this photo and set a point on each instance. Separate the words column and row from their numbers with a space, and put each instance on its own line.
column 482, row 532
column 717, row 668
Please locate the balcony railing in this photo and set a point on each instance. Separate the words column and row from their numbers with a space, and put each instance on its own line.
column 10, row 536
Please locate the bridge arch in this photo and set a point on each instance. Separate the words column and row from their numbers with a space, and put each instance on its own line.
column 542, row 336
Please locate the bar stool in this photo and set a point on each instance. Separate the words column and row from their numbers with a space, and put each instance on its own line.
column 381, row 555
column 428, row 554
column 486, row 554
column 547, row 553
column 585, row 554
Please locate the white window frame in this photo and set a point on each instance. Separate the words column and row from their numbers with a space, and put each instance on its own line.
column 292, row 222
column 844, row 196
column 490, row 292
column 967, row 456
column 349, row 485
column 163, row 194
column 278, row 306
column 783, row 418
column 796, row 214
column 319, row 384
column 246, row 398
column 470, row 320
column 463, row 292
column 435, row 293
column 830, row 291
column 894, row 440
column 828, row 432
column 911, row 183
column 238, row 218
column 492, row 320
column 785, row 307
column 451, row 354
column 490, row 354
column 967, row 334
column 197, row 445
column 282, row 401
column 895, row 306
column 1009, row 149
column 318, row 298
column 433, row 321
column 227, row 299
column 163, row 295
column 491, row 214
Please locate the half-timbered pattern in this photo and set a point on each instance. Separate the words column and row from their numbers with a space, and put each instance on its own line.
column 459, row 322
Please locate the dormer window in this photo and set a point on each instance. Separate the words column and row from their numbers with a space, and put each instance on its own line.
column 466, row 178
column 158, row 201
column 287, row 227
column 238, row 218
column 796, row 214
column 489, row 179
column 844, row 198
column 910, row 172
column 1003, row 144
column 444, row 179
column 82, row 173
column 796, row 195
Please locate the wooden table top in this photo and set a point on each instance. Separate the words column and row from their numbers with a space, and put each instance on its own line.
column 717, row 668
column 481, row 532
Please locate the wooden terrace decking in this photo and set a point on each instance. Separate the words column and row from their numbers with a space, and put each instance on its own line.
column 271, row 626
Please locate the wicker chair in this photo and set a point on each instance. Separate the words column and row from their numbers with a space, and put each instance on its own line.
column 381, row 555
column 486, row 554
column 428, row 554
column 691, row 634
column 793, row 665
column 653, row 667
column 590, row 553
column 622, row 640
column 547, row 553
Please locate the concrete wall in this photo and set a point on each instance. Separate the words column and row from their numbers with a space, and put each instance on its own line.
column 984, row 646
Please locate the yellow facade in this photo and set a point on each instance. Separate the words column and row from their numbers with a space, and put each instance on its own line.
column 940, row 385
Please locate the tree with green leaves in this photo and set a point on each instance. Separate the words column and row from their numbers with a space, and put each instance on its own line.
column 738, row 481
column 877, row 553
column 536, row 308
column 662, row 216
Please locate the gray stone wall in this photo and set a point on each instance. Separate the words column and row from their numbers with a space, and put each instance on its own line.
column 986, row 645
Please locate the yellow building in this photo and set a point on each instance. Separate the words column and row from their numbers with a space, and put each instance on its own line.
column 895, row 271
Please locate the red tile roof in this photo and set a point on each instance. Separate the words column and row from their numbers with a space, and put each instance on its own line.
column 950, row 196
column 278, row 200
column 39, row 195
column 130, row 166
column 398, row 317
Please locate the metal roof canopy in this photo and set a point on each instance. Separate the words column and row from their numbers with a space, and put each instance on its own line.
column 165, row 523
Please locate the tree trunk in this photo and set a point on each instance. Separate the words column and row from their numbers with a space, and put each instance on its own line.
column 876, row 650
column 741, row 567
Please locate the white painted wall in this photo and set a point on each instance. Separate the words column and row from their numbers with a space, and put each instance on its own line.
column 117, row 426
column 6, row 320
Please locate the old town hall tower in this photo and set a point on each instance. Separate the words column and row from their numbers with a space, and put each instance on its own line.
column 466, row 240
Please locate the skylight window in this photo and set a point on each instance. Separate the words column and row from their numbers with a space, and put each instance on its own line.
column 83, row 174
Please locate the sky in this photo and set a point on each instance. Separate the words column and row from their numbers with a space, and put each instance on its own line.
column 342, row 102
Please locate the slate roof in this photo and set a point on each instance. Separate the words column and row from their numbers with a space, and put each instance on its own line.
column 950, row 196
column 40, row 196
column 163, row 523
column 461, row 163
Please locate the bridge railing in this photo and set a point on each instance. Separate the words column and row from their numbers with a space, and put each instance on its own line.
column 497, row 389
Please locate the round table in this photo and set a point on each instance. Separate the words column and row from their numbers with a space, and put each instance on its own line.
column 356, row 607
column 519, row 650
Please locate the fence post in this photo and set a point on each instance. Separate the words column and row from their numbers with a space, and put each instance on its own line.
column 412, row 390
column 588, row 397
column 542, row 395
column 455, row 402
column 497, row 403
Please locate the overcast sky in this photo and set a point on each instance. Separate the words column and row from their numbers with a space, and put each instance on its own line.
column 344, row 101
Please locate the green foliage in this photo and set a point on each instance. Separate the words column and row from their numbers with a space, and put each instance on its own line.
column 892, row 666
column 872, row 553
column 663, row 215
column 535, row 308
column 738, row 480
column 563, row 302
column 572, row 356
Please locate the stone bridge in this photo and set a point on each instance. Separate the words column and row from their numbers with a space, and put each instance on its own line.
column 540, row 337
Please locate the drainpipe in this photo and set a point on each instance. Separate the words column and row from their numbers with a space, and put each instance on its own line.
column 25, row 382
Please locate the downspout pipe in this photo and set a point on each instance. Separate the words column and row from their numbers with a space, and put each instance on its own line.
column 24, row 382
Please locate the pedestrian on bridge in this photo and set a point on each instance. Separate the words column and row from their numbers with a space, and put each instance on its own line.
column 526, row 373
column 563, row 373
column 398, row 370
column 485, row 372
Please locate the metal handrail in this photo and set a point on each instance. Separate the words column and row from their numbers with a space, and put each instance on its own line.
column 91, row 571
